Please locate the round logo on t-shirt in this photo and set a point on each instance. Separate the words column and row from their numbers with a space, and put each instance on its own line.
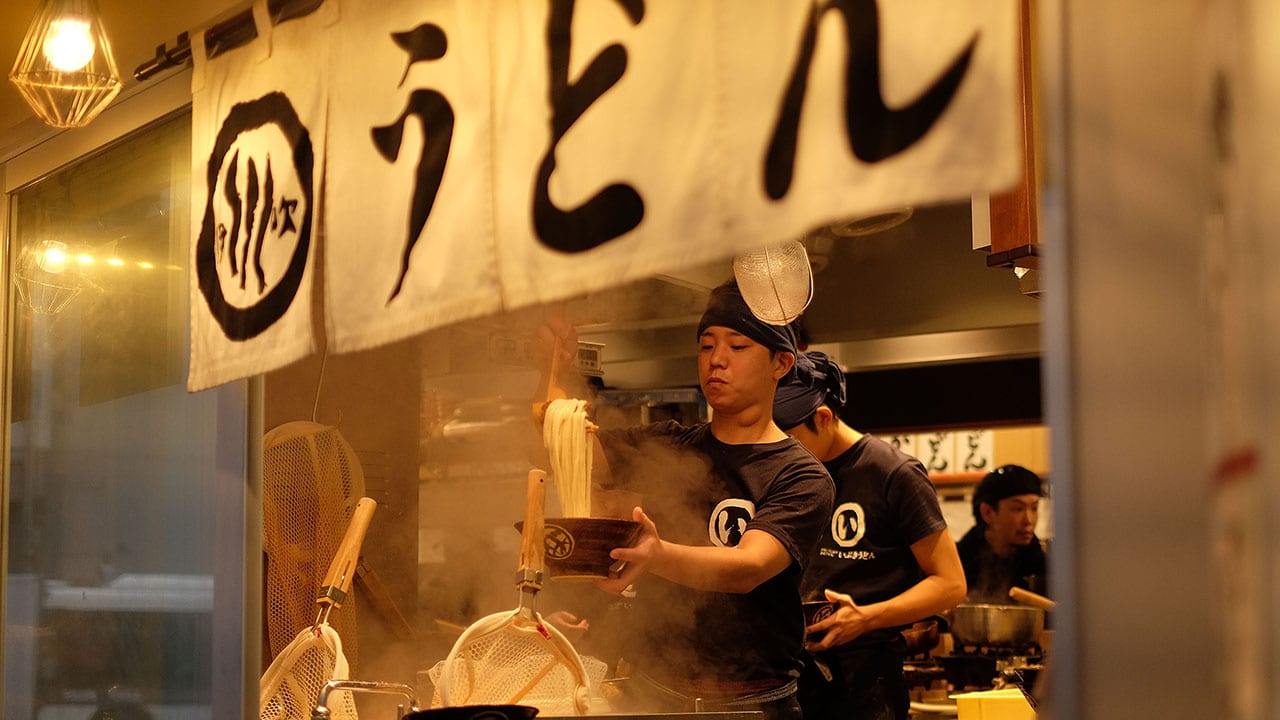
column 848, row 524
column 729, row 521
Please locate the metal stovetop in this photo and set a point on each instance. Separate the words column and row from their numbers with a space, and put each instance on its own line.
column 737, row 715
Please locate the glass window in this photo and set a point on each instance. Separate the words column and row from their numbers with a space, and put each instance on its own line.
column 125, row 518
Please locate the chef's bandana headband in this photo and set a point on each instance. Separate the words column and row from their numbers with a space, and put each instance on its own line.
column 726, row 308
column 1004, row 482
column 817, row 380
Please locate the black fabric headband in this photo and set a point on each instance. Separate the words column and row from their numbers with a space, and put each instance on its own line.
column 817, row 380
column 726, row 308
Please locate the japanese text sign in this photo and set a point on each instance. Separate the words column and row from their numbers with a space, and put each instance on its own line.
column 481, row 155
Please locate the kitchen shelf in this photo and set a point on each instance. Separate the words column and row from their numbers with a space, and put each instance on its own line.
column 960, row 478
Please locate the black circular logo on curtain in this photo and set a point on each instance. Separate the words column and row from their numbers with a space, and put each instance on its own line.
column 255, row 235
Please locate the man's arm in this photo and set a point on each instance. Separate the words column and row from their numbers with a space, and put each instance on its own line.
column 739, row 569
column 941, row 589
column 556, row 331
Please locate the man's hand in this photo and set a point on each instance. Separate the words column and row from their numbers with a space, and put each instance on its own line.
column 567, row 623
column 555, row 337
column 844, row 625
column 555, row 328
column 638, row 557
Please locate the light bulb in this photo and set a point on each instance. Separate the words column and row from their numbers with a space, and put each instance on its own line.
column 53, row 259
column 69, row 45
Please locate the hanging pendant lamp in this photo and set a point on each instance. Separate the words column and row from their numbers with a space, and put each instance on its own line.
column 65, row 70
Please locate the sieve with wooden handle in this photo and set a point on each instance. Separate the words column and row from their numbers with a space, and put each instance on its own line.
column 513, row 657
column 292, row 682
column 342, row 571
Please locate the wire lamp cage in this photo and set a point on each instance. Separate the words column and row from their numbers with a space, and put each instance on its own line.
column 65, row 70
column 45, row 277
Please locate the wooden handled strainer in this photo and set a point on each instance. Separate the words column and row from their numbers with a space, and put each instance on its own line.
column 295, row 678
column 510, row 658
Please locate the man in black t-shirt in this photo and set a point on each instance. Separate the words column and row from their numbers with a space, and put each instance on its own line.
column 1001, row 550
column 886, row 557
column 740, row 506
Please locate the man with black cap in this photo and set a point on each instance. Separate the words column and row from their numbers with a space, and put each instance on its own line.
column 886, row 558
column 1001, row 550
column 740, row 506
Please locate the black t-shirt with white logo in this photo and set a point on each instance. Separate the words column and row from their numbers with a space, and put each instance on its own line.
column 700, row 491
column 885, row 502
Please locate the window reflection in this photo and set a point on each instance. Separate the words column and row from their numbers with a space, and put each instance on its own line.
column 112, row 537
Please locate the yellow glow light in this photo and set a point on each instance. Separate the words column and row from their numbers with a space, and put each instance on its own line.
column 84, row 259
column 69, row 44
column 117, row 262
column 145, row 265
column 54, row 260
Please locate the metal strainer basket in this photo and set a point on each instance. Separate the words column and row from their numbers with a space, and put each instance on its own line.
column 776, row 281
column 312, row 481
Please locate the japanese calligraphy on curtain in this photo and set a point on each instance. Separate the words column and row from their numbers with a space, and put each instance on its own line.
column 480, row 155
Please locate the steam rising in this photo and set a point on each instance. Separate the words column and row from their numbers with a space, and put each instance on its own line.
column 478, row 443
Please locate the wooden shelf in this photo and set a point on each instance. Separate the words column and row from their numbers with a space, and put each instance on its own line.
column 961, row 478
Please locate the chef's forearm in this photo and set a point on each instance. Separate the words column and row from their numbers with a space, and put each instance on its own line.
column 737, row 569
column 705, row 568
column 931, row 596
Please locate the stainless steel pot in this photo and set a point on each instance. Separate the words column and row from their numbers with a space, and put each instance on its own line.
column 476, row 712
column 984, row 624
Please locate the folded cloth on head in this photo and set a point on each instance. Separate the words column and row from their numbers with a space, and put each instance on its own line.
column 726, row 308
column 817, row 380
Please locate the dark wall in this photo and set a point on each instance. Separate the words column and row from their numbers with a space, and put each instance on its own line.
column 998, row 392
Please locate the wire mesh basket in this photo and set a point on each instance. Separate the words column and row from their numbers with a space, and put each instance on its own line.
column 776, row 281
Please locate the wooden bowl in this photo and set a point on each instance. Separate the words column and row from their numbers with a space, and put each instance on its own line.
column 815, row 610
column 578, row 548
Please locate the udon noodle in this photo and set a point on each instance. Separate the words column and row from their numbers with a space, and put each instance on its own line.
column 564, row 432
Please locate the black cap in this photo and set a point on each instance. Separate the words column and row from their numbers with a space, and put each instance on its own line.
column 1004, row 482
